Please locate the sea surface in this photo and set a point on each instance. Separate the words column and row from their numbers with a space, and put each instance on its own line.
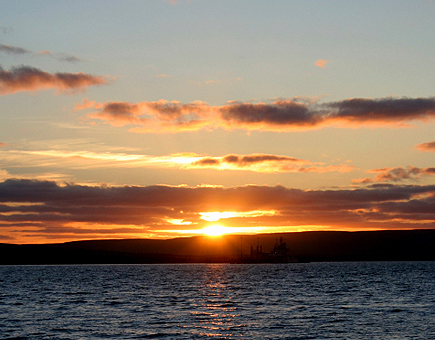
column 370, row 300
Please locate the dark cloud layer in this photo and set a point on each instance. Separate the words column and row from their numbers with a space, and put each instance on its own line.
column 45, row 206
column 383, row 110
column 282, row 115
column 25, row 78
column 357, row 110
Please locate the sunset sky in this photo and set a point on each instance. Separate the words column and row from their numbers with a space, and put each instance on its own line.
column 159, row 119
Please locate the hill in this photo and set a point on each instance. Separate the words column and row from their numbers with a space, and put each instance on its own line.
column 303, row 246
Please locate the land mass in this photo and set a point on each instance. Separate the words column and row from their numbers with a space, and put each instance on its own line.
column 398, row 245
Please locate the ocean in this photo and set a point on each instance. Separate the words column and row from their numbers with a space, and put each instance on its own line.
column 351, row 300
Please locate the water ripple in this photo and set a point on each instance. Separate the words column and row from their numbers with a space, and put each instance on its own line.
column 283, row 301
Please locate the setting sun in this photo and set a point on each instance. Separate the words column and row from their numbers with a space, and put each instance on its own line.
column 215, row 230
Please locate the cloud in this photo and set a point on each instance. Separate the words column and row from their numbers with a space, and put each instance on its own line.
column 426, row 146
column 46, row 209
column 264, row 163
column 254, row 162
column 121, row 113
column 157, row 116
column 60, row 56
column 2, row 144
column 86, row 159
column 357, row 111
column 282, row 115
column 8, row 49
column 362, row 180
column 26, row 78
column 386, row 110
column 396, row 174
column 321, row 63
column 86, row 104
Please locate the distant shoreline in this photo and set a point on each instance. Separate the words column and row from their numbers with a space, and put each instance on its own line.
column 317, row 246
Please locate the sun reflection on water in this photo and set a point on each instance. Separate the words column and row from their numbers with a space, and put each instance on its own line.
column 216, row 311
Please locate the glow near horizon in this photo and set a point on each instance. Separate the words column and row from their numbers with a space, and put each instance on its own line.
column 331, row 102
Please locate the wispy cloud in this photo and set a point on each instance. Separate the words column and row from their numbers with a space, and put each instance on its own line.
column 50, row 210
column 265, row 163
column 397, row 174
column 86, row 104
column 15, row 50
column 426, row 146
column 60, row 56
column 282, row 115
column 8, row 49
column 80, row 159
column 26, row 78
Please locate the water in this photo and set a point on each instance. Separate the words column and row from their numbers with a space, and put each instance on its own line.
column 379, row 300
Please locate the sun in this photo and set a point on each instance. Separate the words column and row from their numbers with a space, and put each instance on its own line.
column 215, row 230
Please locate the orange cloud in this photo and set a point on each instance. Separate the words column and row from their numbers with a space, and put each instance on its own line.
column 362, row 180
column 27, row 78
column 321, row 63
column 48, row 210
column 426, row 146
column 160, row 116
column 282, row 115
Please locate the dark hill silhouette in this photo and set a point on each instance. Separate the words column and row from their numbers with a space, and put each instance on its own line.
column 303, row 246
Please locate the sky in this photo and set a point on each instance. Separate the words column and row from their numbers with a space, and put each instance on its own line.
column 161, row 119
